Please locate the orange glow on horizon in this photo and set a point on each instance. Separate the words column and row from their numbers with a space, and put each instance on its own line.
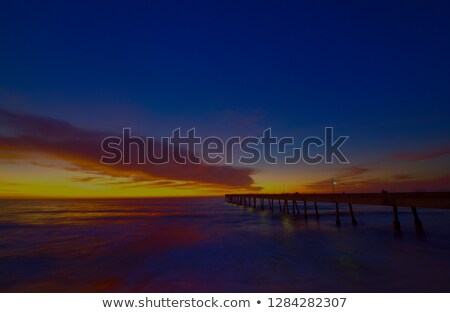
column 39, row 176
column 55, row 179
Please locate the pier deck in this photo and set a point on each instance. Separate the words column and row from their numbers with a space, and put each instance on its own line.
column 414, row 200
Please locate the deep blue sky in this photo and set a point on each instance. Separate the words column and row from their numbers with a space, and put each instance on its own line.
column 379, row 72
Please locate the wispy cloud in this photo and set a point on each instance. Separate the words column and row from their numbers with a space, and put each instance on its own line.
column 422, row 155
column 402, row 177
column 27, row 133
column 344, row 176
column 351, row 171
column 84, row 179
column 354, row 179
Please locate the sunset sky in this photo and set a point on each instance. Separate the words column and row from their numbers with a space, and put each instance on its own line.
column 74, row 73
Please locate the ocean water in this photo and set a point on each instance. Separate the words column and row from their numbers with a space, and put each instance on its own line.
column 206, row 245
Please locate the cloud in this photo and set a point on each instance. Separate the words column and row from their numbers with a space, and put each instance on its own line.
column 27, row 133
column 84, row 179
column 422, row 155
column 402, row 177
column 351, row 171
column 6, row 183
column 398, row 183
column 343, row 177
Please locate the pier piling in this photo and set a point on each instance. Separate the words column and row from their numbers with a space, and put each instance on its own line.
column 396, row 222
column 295, row 207
column 338, row 220
column 417, row 221
column 351, row 213
column 428, row 200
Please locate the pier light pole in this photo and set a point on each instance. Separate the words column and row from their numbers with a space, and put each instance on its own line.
column 333, row 183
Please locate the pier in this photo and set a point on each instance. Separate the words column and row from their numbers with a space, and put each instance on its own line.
column 299, row 204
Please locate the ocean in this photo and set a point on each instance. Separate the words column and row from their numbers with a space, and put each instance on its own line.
column 206, row 245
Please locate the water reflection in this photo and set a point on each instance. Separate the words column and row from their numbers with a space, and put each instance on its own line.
column 205, row 245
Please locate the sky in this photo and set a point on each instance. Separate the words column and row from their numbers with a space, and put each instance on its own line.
column 73, row 73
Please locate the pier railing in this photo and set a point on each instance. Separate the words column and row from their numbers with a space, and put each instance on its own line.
column 413, row 200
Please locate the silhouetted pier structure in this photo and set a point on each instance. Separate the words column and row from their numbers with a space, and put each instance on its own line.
column 414, row 200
